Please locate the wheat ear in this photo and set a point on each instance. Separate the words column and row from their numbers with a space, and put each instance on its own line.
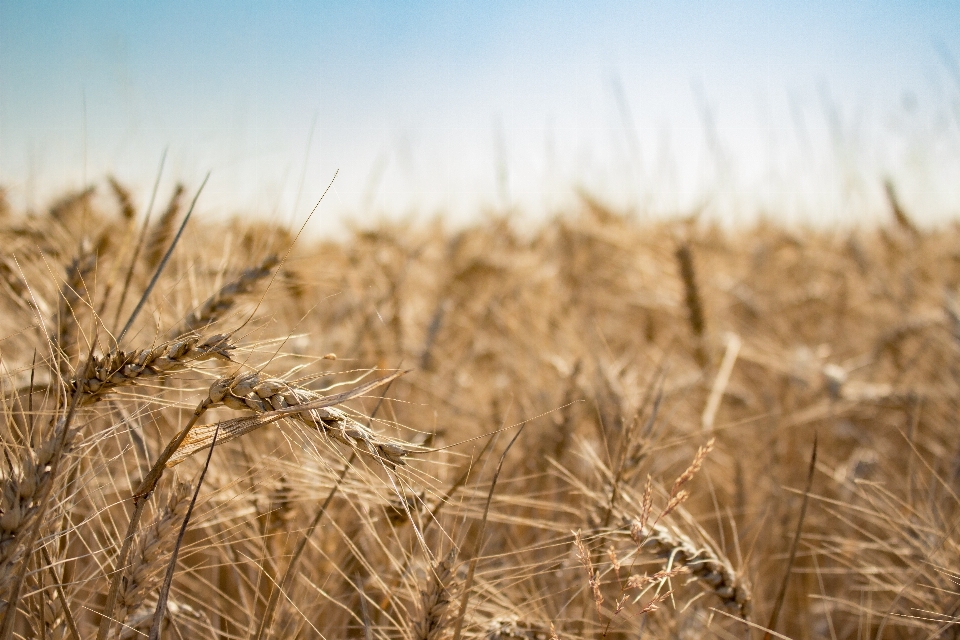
column 709, row 567
column 105, row 373
column 10, row 274
column 175, row 612
column 148, row 559
column 65, row 206
column 23, row 483
column 51, row 455
column 217, row 305
column 127, row 211
column 272, row 399
column 435, row 600
column 695, row 313
column 511, row 627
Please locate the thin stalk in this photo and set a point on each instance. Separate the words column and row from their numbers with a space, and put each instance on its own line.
column 468, row 582
column 295, row 558
column 775, row 614
column 443, row 501
column 61, row 596
column 274, row 599
column 172, row 567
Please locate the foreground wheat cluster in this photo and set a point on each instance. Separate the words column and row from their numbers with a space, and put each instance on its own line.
column 602, row 426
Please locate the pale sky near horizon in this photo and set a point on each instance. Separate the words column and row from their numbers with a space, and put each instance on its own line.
column 793, row 109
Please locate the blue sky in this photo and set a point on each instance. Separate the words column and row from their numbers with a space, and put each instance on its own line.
column 742, row 107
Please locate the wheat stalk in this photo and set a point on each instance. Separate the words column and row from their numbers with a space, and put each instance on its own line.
column 899, row 213
column 64, row 338
column 56, row 620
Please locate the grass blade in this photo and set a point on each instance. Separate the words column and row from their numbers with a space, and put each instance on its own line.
column 163, row 263
column 781, row 595
column 140, row 241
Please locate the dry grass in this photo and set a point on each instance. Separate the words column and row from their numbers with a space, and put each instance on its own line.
column 670, row 376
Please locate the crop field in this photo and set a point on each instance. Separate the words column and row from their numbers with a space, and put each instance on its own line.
column 603, row 425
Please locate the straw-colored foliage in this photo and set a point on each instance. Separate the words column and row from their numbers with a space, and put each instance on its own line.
column 670, row 378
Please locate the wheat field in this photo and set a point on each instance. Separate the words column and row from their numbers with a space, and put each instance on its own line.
column 600, row 426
